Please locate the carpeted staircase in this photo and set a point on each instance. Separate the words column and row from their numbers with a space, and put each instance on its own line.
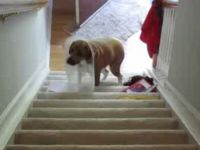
column 104, row 120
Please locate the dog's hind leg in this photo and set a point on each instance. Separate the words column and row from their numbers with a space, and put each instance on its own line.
column 105, row 73
column 120, row 79
column 115, row 69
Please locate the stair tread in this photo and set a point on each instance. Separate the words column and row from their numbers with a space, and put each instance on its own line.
column 109, row 131
column 126, row 137
column 110, row 123
column 97, row 95
column 102, row 147
column 99, row 112
column 170, row 119
column 102, row 99
column 113, row 131
column 103, row 93
column 45, row 88
column 100, row 88
column 100, row 109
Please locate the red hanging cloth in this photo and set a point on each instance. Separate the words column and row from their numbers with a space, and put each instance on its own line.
column 151, row 29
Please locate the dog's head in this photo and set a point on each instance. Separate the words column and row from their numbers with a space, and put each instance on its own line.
column 78, row 51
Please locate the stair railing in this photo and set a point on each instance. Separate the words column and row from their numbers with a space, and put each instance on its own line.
column 167, row 36
column 13, row 7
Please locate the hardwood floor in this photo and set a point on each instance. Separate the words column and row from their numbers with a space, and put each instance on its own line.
column 63, row 24
column 57, row 58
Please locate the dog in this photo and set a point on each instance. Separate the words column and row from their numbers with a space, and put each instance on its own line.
column 103, row 51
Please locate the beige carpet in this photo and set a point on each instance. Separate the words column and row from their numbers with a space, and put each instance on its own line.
column 118, row 18
column 102, row 120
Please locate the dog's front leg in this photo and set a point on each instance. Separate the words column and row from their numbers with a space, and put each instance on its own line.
column 79, row 76
column 97, row 76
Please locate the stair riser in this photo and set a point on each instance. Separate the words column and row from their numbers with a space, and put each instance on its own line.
column 97, row 137
column 104, row 124
column 99, row 147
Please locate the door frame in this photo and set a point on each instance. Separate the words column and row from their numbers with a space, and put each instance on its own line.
column 77, row 12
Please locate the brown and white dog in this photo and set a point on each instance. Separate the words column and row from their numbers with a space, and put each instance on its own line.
column 105, row 52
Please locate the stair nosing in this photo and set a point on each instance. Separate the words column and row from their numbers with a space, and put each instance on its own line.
column 107, row 131
column 142, row 118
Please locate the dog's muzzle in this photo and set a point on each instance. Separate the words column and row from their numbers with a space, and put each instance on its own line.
column 71, row 61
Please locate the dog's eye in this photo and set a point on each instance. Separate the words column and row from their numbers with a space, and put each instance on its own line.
column 85, row 47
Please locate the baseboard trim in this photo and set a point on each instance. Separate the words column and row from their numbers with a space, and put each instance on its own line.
column 188, row 115
column 14, row 112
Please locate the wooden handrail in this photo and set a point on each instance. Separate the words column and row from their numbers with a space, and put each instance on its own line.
column 170, row 3
column 10, row 9
column 22, row 2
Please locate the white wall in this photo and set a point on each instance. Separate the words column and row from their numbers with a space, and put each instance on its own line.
column 184, row 73
column 24, row 46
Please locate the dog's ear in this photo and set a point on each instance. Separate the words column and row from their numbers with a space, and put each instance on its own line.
column 87, row 53
column 72, row 47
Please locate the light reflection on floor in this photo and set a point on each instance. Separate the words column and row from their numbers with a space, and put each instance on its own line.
column 136, row 57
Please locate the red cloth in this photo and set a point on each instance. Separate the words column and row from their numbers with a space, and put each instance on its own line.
column 151, row 29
